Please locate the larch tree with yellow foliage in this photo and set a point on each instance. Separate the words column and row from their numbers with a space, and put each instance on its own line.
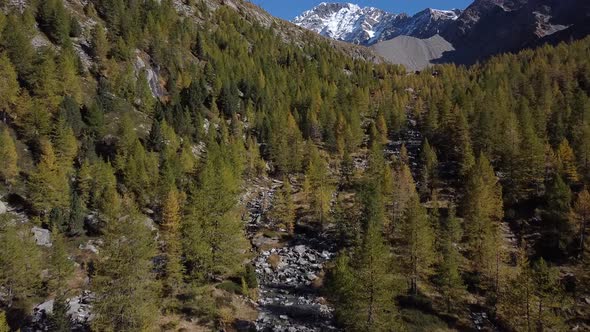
column 582, row 217
column 8, row 158
column 567, row 162
column 48, row 184
column 171, row 223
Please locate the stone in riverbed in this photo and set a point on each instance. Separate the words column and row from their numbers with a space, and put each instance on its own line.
column 300, row 249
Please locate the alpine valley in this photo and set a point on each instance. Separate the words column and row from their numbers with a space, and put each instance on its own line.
column 201, row 165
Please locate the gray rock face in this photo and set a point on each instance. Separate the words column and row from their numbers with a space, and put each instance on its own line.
column 413, row 53
column 152, row 75
column 489, row 27
column 42, row 236
column 3, row 208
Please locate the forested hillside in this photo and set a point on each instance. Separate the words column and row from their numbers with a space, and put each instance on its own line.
column 180, row 165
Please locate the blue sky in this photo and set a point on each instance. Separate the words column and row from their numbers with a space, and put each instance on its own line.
column 288, row 9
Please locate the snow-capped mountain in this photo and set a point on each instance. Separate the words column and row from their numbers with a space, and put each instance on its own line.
column 367, row 25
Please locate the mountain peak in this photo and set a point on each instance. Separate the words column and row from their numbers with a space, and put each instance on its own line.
column 344, row 21
column 368, row 25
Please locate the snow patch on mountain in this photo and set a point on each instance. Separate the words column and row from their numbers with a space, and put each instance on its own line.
column 368, row 25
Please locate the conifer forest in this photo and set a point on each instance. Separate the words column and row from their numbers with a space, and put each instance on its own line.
column 200, row 165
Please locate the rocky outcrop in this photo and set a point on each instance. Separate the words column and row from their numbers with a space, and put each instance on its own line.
column 3, row 208
column 79, row 311
column 42, row 236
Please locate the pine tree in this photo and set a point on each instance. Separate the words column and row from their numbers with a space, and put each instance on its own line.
column 68, row 74
column 59, row 320
column 364, row 286
column 582, row 214
column 3, row 323
column 66, row 145
column 404, row 158
column 171, row 223
column 429, row 173
column 76, row 217
column 99, row 43
column 17, row 43
column 381, row 128
column 255, row 165
column 567, row 162
column 61, row 268
column 547, row 291
column 348, row 217
column 84, row 182
column 482, row 212
column 379, row 171
column 70, row 111
column 461, row 142
column 283, row 207
column 449, row 278
column 55, row 21
column 213, row 234
column 531, row 159
column 45, row 81
column 418, row 248
column 8, row 157
column 321, row 191
column 20, row 263
column 48, row 185
column 404, row 191
column 515, row 304
column 9, row 86
column 124, row 282
column 286, row 142
column 557, row 231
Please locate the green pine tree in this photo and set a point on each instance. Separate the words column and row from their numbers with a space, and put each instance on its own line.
column 482, row 212
column 48, row 184
column 59, row 320
column 20, row 263
column 213, row 234
column 283, row 207
column 171, row 223
column 3, row 323
column 364, row 285
column 124, row 281
column 418, row 247
column 449, row 278
column 8, row 157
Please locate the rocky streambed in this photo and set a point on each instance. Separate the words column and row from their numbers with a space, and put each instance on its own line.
column 289, row 273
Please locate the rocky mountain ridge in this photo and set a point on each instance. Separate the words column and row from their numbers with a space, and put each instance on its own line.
column 368, row 25
column 485, row 28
